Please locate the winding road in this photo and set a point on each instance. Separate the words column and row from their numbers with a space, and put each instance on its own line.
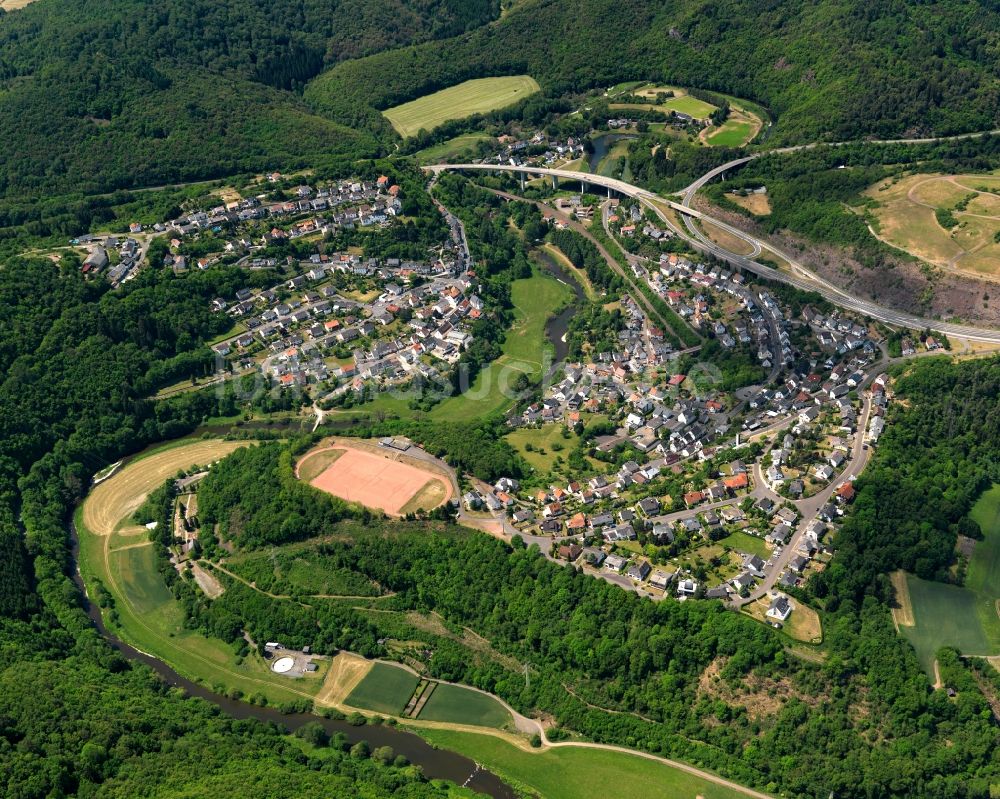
column 800, row 277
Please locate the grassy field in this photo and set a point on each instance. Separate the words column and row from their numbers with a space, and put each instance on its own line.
column 983, row 576
column 906, row 219
column 535, row 300
column 945, row 615
column 744, row 542
column 963, row 617
column 457, row 102
column 733, row 133
column 149, row 617
column 689, row 105
column 452, row 150
column 384, row 689
column 577, row 772
column 459, row 705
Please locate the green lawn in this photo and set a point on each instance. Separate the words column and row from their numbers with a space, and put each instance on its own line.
column 983, row 576
column 945, row 615
column 577, row 772
column 453, row 150
column 463, row 706
column 151, row 620
column 744, row 542
column 536, row 299
column 457, row 102
column 385, row 689
column 964, row 617
column 732, row 134
column 689, row 105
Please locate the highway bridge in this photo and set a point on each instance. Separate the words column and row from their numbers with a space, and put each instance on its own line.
column 800, row 277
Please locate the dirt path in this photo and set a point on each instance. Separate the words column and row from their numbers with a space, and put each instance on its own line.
column 938, row 682
column 607, row 709
column 902, row 615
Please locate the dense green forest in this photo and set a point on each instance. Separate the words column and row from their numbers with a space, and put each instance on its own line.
column 825, row 70
column 121, row 93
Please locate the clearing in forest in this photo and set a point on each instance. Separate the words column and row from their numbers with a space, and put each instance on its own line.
column 951, row 221
column 950, row 615
column 477, row 96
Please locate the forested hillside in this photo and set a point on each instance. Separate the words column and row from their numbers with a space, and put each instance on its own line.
column 113, row 93
column 830, row 70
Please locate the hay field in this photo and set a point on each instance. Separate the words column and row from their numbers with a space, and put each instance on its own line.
column 346, row 671
column 907, row 220
column 113, row 501
column 477, row 96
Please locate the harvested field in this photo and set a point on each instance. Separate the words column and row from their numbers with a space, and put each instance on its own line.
column 376, row 480
column 118, row 497
column 346, row 671
column 902, row 614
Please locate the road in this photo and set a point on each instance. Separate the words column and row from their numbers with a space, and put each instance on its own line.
column 800, row 277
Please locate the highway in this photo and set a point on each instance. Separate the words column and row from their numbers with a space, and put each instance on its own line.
column 800, row 277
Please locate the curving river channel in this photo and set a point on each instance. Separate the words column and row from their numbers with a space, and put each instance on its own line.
column 436, row 763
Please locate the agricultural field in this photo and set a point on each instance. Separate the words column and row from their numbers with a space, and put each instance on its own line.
column 458, row 705
column 452, row 150
column 384, row 689
column 934, row 614
column 147, row 614
column 477, row 96
column 910, row 213
column 576, row 772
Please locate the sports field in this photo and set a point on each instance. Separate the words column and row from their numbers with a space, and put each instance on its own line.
column 384, row 689
column 907, row 216
column 963, row 617
column 571, row 772
column 376, row 480
column 148, row 615
column 457, row 102
column 459, row 705
column 733, row 133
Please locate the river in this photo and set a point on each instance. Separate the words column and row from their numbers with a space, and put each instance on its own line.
column 558, row 326
column 602, row 145
column 435, row 763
